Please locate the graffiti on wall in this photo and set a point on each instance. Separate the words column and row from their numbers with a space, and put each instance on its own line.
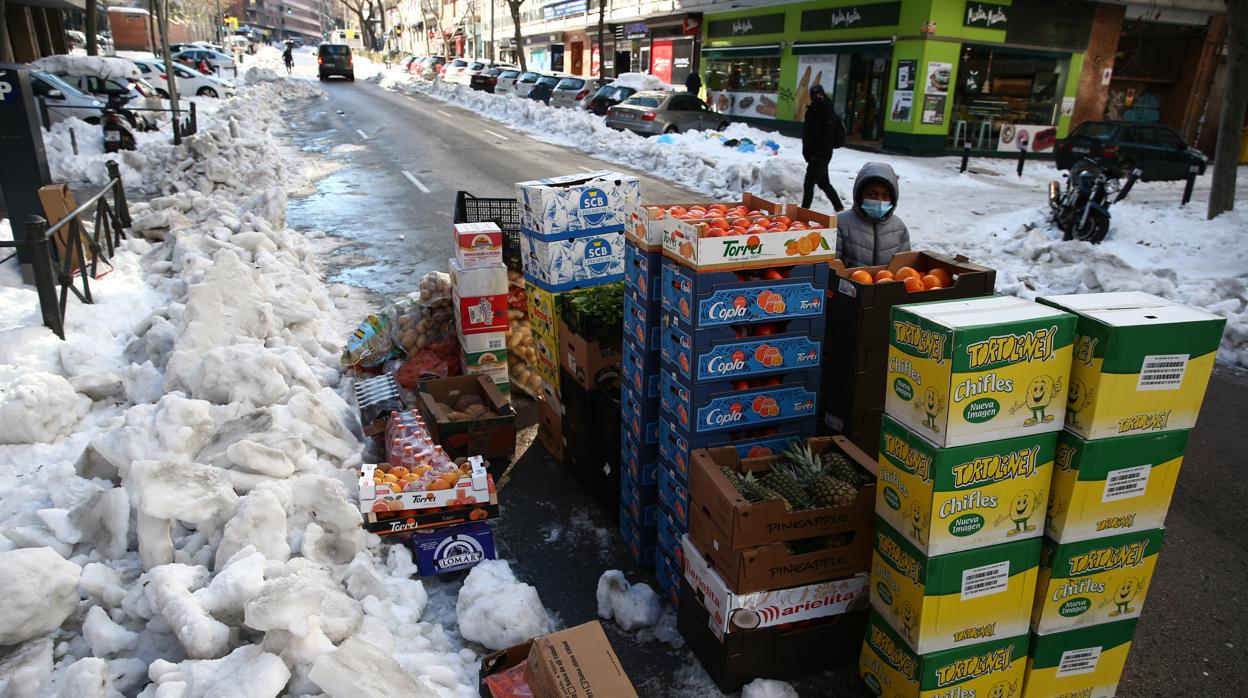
column 1132, row 104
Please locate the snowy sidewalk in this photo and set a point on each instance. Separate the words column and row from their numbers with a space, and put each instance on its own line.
column 989, row 214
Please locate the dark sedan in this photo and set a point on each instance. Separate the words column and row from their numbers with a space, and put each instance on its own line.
column 485, row 80
column 544, row 88
column 607, row 97
column 1158, row 151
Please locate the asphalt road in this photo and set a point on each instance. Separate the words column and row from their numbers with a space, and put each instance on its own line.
column 391, row 203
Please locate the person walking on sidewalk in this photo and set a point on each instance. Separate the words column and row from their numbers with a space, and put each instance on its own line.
column 822, row 133
column 693, row 84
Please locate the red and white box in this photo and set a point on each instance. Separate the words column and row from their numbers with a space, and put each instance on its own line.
column 480, row 296
column 478, row 245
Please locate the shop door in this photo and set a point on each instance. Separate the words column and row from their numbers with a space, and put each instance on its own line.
column 682, row 60
column 864, row 86
column 661, row 60
column 623, row 62
column 578, row 58
column 643, row 58
column 556, row 58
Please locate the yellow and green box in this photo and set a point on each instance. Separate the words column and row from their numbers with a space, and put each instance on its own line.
column 1111, row 486
column 1141, row 363
column 891, row 669
column 955, row 600
column 1096, row 581
column 982, row 369
column 1086, row 662
column 945, row 500
column 544, row 309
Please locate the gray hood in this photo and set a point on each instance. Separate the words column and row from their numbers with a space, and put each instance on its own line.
column 875, row 170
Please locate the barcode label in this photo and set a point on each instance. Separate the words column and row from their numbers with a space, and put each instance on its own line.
column 982, row 581
column 1162, row 372
column 1075, row 662
column 1126, row 483
column 847, row 288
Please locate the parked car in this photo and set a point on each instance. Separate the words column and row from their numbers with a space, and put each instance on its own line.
column 412, row 63
column 63, row 100
column 545, row 87
column 485, row 80
column 651, row 112
column 464, row 76
column 1157, row 150
column 452, row 70
column 608, row 96
column 506, row 81
column 430, row 67
column 526, row 81
column 334, row 59
column 216, row 60
column 572, row 92
column 76, row 38
column 190, row 82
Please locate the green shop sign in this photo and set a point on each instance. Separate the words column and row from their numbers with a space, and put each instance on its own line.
column 986, row 15
column 745, row 26
column 884, row 14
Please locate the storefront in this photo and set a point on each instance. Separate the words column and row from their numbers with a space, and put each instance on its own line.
column 666, row 47
column 545, row 52
column 905, row 75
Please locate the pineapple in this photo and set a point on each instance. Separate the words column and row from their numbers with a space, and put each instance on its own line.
column 831, row 491
column 788, row 482
column 839, row 465
column 748, row 485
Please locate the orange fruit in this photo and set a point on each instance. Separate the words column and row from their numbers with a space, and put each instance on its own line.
column 914, row 284
column 946, row 279
column 677, row 211
column 931, row 281
column 783, row 219
column 883, row 275
column 798, row 225
column 905, row 273
column 862, row 276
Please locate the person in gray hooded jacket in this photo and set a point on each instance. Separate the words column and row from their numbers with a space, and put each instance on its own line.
column 870, row 232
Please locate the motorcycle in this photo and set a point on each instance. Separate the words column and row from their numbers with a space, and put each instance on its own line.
column 1081, row 211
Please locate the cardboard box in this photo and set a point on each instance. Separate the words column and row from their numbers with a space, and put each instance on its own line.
column 550, row 429
column 776, row 565
column 1141, row 363
column 492, row 365
column 786, row 652
column 891, row 668
column 639, row 538
column 1082, row 662
column 723, row 406
column 478, row 245
column 453, row 548
column 747, row 524
column 475, row 314
column 641, row 324
column 576, row 663
column 492, row 437
column 474, row 488
column 720, row 298
column 731, row 612
column 470, row 282
column 544, row 309
column 579, row 448
column 641, row 273
column 546, row 362
column 586, row 360
column 1111, row 486
column 592, row 202
column 985, row 369
column 719, row 353
column 954, row 600
column 676, row 447
column 407, row 522
column 668, row 574
column 499, row 662
column 944, row 500
column 478, row 342
column 684, row 242
column 587, row 259
column 641, row 462
column 58, row 202
column 639, row 369
column 647, row 225
column 1095, row 581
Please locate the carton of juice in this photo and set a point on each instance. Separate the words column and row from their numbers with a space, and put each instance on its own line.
column 955, row 600
column 1081, row 662
column 1096, row 581
column 1141, row 363
column 1111, row 486
column 983, row 369
column 891, row 669
column 943, row 500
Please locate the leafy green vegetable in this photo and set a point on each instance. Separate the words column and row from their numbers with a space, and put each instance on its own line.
column 597, row 313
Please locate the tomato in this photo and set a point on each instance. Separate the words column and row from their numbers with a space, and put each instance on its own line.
column 773, row 275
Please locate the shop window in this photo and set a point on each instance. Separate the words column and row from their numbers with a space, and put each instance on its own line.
column 746, row 86
column 1000, row 86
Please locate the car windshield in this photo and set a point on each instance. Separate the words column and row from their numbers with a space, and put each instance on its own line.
column 1096, row 129
column 571, row 84
column 458, row 63
column 476, row 66
column 529, row 77
column 508, row 74
column 548, row 80
column 59, row 84
column 642, row 101
column 493, row 72
column 335, row 49
column 618, row 93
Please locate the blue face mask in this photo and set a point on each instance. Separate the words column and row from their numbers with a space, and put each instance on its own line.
column 876, row 210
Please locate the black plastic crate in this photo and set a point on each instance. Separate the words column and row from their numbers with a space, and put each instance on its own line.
column 505, row 213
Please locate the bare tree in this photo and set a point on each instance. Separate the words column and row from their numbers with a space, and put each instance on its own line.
column 514, row 6
column 6, row 49
column 359, row 7
column 1234, row 102
column 602, row 47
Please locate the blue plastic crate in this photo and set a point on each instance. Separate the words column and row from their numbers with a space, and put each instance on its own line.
column 642, row 271
column 715, row 299
column 641, row 501
column 640, row 416
column 668, row 573
column 675, row 445
column 641, row 463
column 673, row 495
column 641, row 324
column 732, row 353
column 671, row 528
column 723, row 406
column 640, row 539
column 639, row 370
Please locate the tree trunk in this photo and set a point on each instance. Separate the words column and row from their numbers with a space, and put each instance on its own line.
column 602, row 47
column 1234, row 101
column 519, row 41
column 6, row 49
column 92, row 48
column 152, row 44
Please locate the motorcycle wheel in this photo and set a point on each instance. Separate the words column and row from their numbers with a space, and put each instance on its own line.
column 1093, row 230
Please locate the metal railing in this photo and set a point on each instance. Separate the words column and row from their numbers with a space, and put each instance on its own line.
column 184, row 122
column 58, row 254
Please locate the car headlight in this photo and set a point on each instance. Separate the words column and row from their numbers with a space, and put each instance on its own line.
column 97, row 103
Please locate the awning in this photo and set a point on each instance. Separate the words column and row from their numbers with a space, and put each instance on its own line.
column 842, row 47
column 742, row 51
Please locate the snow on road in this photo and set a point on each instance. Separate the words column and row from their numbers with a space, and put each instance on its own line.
column 989, row 213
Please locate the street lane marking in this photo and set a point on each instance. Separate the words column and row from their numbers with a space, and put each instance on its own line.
column 412, row 178
column 496, row 135
column 444, row 113
column 586, row 169
column 362, row 134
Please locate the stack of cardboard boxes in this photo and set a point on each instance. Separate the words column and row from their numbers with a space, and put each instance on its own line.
column 479, row 280
column 976, row 392
column 1140, row 369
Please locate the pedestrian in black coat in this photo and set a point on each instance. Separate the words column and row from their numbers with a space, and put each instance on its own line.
column 693, row 84
column 821, row 134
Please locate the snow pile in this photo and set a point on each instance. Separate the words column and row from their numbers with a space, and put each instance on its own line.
column 768, row 688
column 105, row 67
column 988, row 213
column 41, row 591
column 497, row 610
column 37, row 406
column 632, row 606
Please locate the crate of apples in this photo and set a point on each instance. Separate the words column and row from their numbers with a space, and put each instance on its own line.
column 913, row 279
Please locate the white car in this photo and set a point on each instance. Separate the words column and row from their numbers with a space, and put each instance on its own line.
column 190, row 82
column 464, row 76
column 525, row 82
column 452, row 70
column 506, row 84
column 219, row 62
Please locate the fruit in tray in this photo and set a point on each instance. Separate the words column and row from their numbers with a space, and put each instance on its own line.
column 720, row 220
column 804, row 479
column 423, row 475
column 913, row 279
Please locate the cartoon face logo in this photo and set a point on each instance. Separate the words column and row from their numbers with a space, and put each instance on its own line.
column 1126, row 591
column 930, row 400
column 907, row 616
column 1024, row 505
column 916, row 515
column 1002, row 689
column 1038, row 393
column 1075, row 394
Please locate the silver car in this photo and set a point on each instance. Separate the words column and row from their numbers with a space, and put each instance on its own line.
column 573, row 93
column 653, row 112
column 526, row 81
column 506, row 84
column 64, row 100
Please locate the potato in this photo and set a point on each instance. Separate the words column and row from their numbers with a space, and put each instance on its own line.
column 475, row 411
column 458, row 417
column 466, row 401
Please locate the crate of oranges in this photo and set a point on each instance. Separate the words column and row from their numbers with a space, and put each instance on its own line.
column 720, row 237
column 647, row 224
